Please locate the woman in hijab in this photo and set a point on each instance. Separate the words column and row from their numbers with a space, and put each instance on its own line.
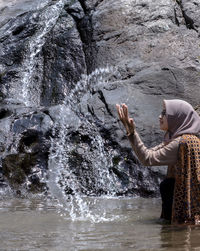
column 180, row 150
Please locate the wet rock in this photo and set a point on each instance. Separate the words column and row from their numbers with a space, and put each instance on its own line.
column 35, row 120
column 63, row 59
column 59, row 59
column 3, row 183
column 25, row 149
column 26, row 169
column 4, row 113
column 18, row 171
column 16, row 167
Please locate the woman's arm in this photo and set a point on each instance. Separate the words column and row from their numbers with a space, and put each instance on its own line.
column 155, row 148
column 164, row 155
column 157, row 156
column 124, row 117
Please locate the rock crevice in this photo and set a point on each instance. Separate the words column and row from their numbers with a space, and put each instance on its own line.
column 189, row 22
column 83, row 18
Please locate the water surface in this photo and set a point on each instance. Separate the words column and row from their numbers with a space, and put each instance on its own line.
column 124, row 224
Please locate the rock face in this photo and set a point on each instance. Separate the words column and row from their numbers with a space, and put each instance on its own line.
column 58, row 96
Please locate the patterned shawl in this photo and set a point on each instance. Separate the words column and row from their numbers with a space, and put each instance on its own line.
column 186, row 202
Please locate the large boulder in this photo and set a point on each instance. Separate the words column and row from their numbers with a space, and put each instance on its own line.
column 63, row 67
column 155, row 47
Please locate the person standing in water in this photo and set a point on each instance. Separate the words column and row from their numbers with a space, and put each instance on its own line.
column 180, row 151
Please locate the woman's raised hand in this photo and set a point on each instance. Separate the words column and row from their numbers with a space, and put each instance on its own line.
column 124, row 117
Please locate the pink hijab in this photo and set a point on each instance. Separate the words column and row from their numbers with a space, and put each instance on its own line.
column 181, row 118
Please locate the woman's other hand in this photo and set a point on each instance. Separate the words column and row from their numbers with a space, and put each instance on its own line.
column 124, row 117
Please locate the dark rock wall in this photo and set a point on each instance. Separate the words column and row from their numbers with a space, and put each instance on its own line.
column 154, row 47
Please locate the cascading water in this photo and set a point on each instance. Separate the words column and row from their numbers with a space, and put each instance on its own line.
column 29, row 90
column 64, row 185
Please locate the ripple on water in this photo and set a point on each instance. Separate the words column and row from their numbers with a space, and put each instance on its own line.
column 128, row 224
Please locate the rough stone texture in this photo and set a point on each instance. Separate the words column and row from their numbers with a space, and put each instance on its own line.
column 25, row 147
column 157, row 55
column 154, row 48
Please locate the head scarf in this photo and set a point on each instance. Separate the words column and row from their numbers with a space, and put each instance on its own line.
column 181, row 118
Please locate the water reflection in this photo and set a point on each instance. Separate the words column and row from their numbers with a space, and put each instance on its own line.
column 185, row 238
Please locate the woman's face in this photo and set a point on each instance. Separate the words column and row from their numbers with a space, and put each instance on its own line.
column 163, row 119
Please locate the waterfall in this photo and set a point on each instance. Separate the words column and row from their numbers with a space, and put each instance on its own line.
column 66, row 182
column 29, row 90
column 63, row 182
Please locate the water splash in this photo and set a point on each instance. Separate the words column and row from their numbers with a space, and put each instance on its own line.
column 63, row 182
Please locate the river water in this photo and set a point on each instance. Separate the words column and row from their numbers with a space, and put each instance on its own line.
column 126, row 224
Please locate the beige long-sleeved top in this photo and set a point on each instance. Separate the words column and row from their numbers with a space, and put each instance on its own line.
column 160, row 155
